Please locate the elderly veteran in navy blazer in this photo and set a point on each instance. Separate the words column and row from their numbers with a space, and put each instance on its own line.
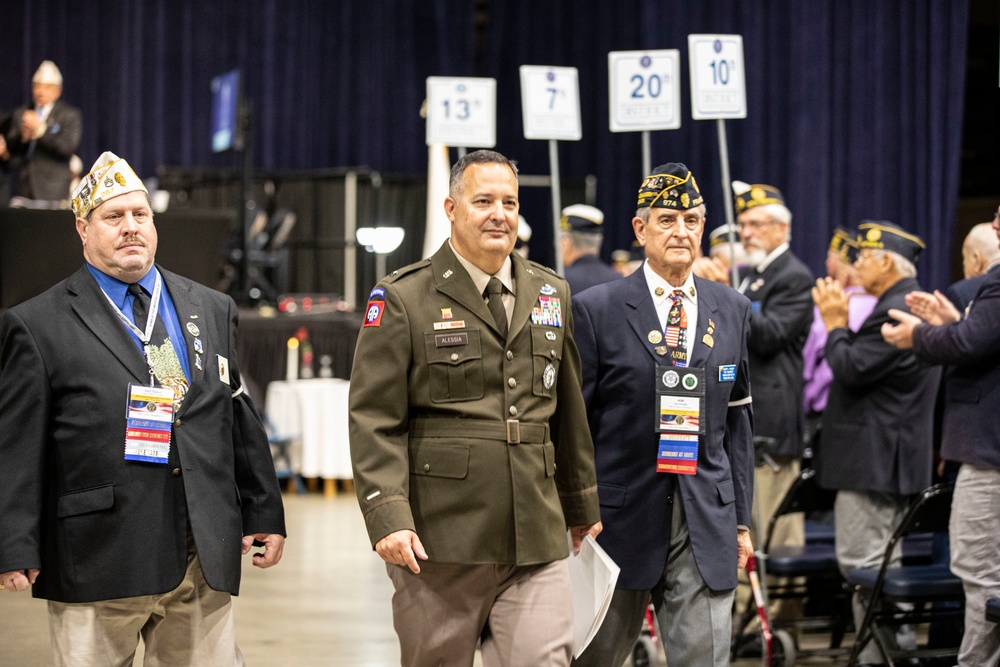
column 970, row 435
column 666, row 382
column 469, row 438
column 136, row 468
column 879, row 420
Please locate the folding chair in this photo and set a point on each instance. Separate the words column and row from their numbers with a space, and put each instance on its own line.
column 280, row 446
column 810, row 573
column 916, row 585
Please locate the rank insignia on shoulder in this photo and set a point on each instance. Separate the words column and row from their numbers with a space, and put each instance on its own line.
column 373, row 313
column 547, row 289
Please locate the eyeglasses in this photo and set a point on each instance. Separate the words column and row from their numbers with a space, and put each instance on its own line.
column 755, row 224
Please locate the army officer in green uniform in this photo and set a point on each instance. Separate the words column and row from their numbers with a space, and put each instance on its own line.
column 469, row 438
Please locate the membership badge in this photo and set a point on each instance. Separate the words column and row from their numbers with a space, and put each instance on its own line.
column 671, row 379
column 654, row 337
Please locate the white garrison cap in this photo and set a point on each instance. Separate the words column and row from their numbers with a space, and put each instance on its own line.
column 523, row 229
column 582, row 218
column 109, row 177
column 47, row 72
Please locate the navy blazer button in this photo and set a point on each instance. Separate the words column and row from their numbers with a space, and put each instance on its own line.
column 176, row 472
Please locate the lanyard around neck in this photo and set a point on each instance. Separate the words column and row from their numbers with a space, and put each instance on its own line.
column 146, row 334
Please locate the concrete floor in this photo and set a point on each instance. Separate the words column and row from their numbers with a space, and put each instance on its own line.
column 326, row 604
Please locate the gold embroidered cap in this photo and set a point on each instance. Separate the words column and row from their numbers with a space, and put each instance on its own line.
column 109, row 177
column 671, row 185
column 759, row 194
column 883, row 235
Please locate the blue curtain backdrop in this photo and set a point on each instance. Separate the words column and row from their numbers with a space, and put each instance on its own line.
column 854, row 107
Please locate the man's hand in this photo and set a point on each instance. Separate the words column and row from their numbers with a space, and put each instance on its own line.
column 18, row 580
column 832, row 302
column 577, row 533
column 711, row 268
column 743, row 547
column 934, row 308
column 900, row 335
column 273, row 546
column 402, row 547
column 4, row 153
column 29, row 125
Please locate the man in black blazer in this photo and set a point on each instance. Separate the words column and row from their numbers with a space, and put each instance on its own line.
column 136, row 468
column 879, row 419
column 667, row 387
column 970, row 436
column 581, row 239
column 777, row 284
column 980, row 253
column 44, row 136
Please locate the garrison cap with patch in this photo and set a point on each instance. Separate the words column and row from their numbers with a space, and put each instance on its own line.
column 720, row 235
column 109, row 177
column 582, row 218
column 884, row 235
column 844, row 245
column 759, row 194
column 671, row 185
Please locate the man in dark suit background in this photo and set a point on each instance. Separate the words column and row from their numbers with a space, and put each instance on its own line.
column 667, row 387
column 777, row 284
column 44, row 136
column 136, row 468
column 970, row 436
column 879, row 419
column 980, row 253
column 581, row 239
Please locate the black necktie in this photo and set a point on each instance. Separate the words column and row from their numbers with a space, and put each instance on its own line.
column 494, row 295
column 140, row 306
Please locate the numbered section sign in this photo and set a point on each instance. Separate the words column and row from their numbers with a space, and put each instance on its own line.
column 462, row 111
column 718, row 88
column 550, row 102
column 645, row 90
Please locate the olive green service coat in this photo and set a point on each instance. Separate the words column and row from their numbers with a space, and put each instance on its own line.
column 439, row 402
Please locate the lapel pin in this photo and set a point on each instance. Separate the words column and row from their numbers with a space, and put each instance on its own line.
column 197, row 361
column 654, row 337
column 658, row 291
column 691, row 291
column 193, row 329
column 198, row 346
column 708, row 340
column 447, row 274
column 194, row 317
column 711, row 324
column 661, row 350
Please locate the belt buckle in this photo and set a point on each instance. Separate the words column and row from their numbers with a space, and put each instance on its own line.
column 513, row 432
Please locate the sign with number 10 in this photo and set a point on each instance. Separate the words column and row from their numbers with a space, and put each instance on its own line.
column 718, row 87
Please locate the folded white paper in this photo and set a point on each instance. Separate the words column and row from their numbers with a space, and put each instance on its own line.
column 592, row 576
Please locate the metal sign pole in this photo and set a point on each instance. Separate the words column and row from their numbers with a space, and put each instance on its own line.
column 727, row 198
column 647, row 159
column 556, row 203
